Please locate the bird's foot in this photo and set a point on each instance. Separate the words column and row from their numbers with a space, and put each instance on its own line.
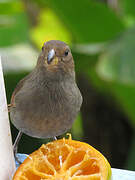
column 15, row 155
column 9, row 106
column 15, row 146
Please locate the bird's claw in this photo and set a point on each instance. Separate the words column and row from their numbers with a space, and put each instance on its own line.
column 9, row 106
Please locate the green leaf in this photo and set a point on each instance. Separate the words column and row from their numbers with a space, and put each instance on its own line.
column 11, row 7
column 88, row 21
column 125, row 98
column 48, row 28
column 122, row 94
column 128, row 7
column 17, row 32
column 117, row 68
column 13, row 23
column 117, row 64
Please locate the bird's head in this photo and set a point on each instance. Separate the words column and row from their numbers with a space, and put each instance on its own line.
column 56, row 56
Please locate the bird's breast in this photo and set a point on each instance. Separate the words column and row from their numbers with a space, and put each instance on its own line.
column 46, row 109
column 50, row 99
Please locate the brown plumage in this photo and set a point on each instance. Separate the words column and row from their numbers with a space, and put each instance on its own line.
column 46, row 102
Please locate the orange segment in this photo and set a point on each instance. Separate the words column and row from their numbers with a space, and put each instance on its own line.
column 64, row 159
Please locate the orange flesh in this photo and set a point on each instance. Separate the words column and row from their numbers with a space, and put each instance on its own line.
column 64, row 159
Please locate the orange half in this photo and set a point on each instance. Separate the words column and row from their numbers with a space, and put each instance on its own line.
column 64, row 159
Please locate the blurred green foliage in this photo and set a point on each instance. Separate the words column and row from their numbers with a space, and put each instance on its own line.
column 15, row 28
column 128, row 7
column 88, row 21
column 48, row 20
column 110, row 69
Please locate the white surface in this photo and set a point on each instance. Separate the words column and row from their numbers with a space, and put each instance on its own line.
column 7, row 163
column 119, row 174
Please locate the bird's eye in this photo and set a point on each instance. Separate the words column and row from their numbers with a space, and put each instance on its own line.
column 66, row 52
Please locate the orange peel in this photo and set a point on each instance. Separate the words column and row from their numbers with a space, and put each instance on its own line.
column 64, row 159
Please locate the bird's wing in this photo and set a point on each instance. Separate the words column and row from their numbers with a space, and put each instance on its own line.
column 18, row 87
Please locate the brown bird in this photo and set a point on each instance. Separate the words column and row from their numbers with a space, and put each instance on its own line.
column 46, row 102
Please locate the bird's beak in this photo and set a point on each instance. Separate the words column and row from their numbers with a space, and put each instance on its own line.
column 51, row 58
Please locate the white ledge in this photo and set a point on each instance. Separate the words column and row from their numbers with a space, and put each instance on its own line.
column 119, row 174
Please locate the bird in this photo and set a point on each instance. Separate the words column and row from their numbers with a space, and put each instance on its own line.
column 46, row 102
